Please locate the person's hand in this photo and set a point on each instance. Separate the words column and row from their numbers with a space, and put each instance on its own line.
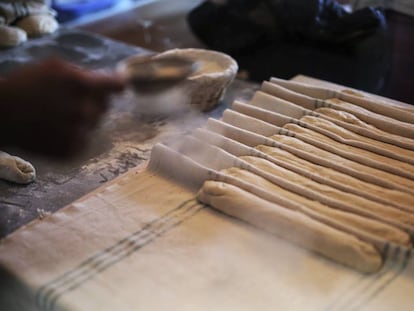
column 52, row 106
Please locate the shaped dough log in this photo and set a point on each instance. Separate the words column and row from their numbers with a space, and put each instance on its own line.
column 401, row 183
column 383, row 122
column 291, row 225
column 331, row 196
column 356, row 140
column 363, row 224
column 349, row 118
column 15, row 169
column 343, row 181
column 359, row 155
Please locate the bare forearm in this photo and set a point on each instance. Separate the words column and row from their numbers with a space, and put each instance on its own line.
column 51, row 106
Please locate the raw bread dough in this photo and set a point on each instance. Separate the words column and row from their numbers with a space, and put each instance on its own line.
column 377, row 227
column 389, row 124
column 349, row 135
column 15, row 169
column 349, row 118
column 362, row 156
column 351, row 202
column 291, row 225
column 341, row 161
column 11, row 36
column 327, row 175
column 38, row 25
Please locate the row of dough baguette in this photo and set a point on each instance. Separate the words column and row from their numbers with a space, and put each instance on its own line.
column 316, row 139
column 396, row 110
column 268, row 99
column 304, row 190
column 299, row 188
column 344, row 237
column 235, row 197
column 259, row 109
column 265, row 128
column 288, row 160
column 347, row 163
column 388, row 119
column 383, row 148
column 352, row 226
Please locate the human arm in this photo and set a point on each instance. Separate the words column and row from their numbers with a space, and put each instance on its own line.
column 51, row 107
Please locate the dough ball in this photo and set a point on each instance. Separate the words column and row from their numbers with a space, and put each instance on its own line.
column 15, row 169
column 38, row 25
column 11, row 36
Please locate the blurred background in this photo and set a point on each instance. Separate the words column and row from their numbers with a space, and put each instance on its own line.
column 369, row 54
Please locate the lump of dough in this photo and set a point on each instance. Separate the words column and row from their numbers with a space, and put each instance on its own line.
column 11, row 36
column 38, row 25
column 15, row 169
